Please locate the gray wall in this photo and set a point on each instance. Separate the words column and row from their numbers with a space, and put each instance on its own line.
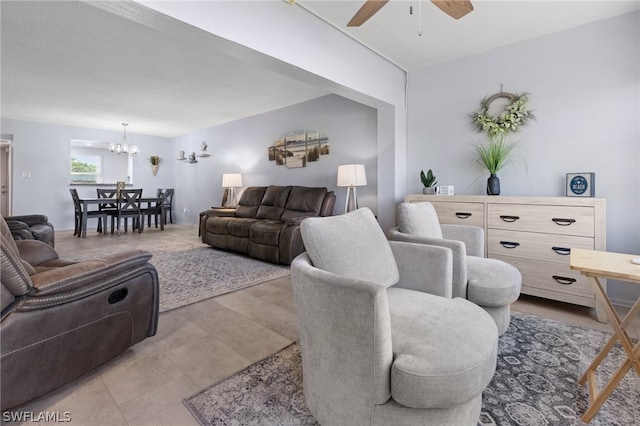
column 44, row 150
column 585, row 91
column 241, row 146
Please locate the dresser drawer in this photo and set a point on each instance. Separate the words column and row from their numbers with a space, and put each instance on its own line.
column 528, row 245
column 554, row 277
column 564, row 220
column 453, row 213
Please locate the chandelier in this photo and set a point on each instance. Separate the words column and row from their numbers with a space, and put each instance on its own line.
column 124, row 147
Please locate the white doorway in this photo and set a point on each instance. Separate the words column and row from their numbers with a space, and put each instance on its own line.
column 5, row 175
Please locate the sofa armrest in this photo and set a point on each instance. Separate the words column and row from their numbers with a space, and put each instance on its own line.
column 458, row 250
column 219, row 212
column 20, row 230
column 228, row 212
column 424, row 268
column 35, row 252
column 30, row 219
column 471, row 236
column 89, row 276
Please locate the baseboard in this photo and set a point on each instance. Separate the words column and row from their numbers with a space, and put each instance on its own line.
column 622, row 302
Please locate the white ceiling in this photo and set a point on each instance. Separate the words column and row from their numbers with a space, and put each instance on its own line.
column 393, row 32
column 75, row 64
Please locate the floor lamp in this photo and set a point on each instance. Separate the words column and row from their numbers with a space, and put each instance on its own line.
column 351, row 175
column 231, row 181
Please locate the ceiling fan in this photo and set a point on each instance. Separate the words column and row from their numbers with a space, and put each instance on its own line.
column 454, row 8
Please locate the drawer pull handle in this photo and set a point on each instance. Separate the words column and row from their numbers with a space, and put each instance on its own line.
column 509, row 218
column 562, row 250
column 563, row 222
column 463, row 215
column 563, row 280
column 509, row 244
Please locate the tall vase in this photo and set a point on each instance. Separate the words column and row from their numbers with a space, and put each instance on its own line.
column 493, row 185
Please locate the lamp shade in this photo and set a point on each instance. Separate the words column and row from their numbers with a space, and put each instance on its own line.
column 231, row 180
column 352, row 175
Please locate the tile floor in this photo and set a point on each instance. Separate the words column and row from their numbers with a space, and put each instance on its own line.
column 199, row 344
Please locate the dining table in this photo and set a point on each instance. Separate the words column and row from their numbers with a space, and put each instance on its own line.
column 86, row 202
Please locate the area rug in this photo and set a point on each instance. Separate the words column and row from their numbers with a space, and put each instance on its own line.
column 536, row 383
column 189, row 272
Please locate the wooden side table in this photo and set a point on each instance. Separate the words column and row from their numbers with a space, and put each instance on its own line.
column 596, row 265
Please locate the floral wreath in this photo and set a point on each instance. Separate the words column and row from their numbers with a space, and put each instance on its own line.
column 515, row 114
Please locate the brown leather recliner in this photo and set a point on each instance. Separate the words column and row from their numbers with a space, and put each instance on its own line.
column 60, row 319
column 31, row 227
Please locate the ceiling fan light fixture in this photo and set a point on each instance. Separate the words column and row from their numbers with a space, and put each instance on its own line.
column 366, row 11
column 454, row 8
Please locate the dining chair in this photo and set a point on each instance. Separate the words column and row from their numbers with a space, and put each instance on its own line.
column 155, row 209
column 167, row 194
column 111, row 208
column 80, row 228
column 129, row 207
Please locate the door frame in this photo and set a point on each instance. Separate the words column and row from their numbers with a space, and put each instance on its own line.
column 6, row 143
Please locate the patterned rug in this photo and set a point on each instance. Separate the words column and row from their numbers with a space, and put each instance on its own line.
column 536, row 383
column 190, row 272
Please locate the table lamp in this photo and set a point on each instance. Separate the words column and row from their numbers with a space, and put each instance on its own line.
column 230, row 181
column 351, row 175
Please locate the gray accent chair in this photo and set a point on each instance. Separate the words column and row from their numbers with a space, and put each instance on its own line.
column 490, row 283
column 383, row 342
column 61, row 319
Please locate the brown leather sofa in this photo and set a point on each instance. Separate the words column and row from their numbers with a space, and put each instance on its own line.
column 32, row 227
column 266, row 223
column 60, row 319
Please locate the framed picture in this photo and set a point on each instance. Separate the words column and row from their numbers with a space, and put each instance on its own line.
column 581, row 184
column 296, row 150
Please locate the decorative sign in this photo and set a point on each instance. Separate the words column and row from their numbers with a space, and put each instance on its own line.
column 581, row 184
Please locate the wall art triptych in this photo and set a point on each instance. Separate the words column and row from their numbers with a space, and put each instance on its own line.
column 297, row 149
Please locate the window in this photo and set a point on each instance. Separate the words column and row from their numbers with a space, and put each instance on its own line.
column 86, row 169
column 92, row 163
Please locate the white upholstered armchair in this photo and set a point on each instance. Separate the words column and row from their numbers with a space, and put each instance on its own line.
column 490, row 283
column 383, row 342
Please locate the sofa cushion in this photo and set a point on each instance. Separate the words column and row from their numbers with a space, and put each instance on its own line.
column 239, row 227
column 303, row 202
column 250, row 201
column 351, row 245
column 418, row 219
column 440, row 359
column 273, row 202
column 492, row 282
column 265, row 232
column 217, row 224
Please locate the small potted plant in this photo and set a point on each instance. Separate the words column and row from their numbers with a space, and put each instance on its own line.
column 155, row 163
column 494, row 156
column 429, row 181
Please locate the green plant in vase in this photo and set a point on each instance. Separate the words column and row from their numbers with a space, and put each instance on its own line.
column 155, row 163
column 494, row 156
column 428, row 181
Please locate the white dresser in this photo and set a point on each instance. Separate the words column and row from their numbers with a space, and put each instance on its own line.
column 535, row 234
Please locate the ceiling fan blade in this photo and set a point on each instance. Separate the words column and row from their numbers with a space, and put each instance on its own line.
column 368, row 9
column 454, row 8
